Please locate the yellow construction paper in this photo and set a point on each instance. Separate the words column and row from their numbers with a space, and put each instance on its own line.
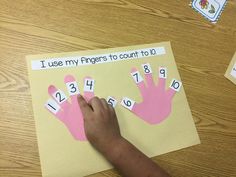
column 62, row 156
column 231, row 70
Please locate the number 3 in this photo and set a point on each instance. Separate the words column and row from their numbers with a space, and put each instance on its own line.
column 72, row 88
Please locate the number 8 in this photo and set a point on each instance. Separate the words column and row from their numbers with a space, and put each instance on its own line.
column 147, row 68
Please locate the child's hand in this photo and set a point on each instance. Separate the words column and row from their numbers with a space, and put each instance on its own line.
column 102, row 130
column 100, row 123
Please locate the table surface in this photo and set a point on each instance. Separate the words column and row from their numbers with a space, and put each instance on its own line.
column 202, row 51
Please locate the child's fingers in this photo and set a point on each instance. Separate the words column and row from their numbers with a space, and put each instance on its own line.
column 96, row 104
column 138, row 79
column 72, row 88
column 59, row 96
column 104, row 103
column 84, row 107
column 148, row 74
column 88, row 88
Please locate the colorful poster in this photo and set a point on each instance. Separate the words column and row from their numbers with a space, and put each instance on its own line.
column 141, row 82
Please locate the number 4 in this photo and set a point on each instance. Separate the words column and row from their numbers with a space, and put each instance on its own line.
column 89, row 85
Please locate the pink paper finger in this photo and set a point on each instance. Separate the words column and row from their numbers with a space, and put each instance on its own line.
column 59, row 96
column 52, row 106
column 88, row 88
column 162, row 72
column 174, row 87
column 72, row 87
column 138, row 79
column 148, row 74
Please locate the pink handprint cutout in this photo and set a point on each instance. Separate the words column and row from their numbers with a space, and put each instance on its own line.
column 156, row 100
column 69, row 112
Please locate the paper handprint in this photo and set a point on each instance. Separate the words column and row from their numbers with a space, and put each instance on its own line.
column 156, row 100
column 69, row 112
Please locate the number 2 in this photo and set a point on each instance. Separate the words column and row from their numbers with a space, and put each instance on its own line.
column 59, row 96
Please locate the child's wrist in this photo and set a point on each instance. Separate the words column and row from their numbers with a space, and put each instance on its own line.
column 116, row 149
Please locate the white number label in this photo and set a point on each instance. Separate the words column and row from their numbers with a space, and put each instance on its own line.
column 233, row 71
column 127, row 103
column 52, row 106
column 137, row 77
column 162, row 72
column 147, row 68
column 175, row 85
column 59, row 96
column 72, row 88
column 112, row 101
column 89, row 85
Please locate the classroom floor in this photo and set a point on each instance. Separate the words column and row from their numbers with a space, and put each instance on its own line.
column 202, row 51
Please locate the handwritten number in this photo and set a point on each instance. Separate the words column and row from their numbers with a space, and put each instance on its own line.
column 59, row 97
column 89, row 84
column 136, row 76
column 163, row 72
column 111, row 101
column 72, row 88
column 51, row 106
column 127, row 103
column 146, row 69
